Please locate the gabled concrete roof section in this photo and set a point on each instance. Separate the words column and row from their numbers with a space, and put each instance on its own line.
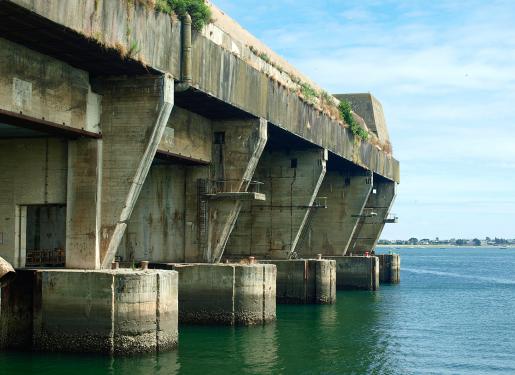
column 86, row 33
column 370, row 109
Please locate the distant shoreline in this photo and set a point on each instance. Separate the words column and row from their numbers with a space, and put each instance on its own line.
column 447, row 246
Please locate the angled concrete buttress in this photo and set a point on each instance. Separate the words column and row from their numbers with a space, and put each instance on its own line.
column 238, row 146
column 135, row 111
column 374, row 216
column 271, row 229
column 346, row 190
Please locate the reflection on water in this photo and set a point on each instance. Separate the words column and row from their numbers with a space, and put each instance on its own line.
column 452, row 313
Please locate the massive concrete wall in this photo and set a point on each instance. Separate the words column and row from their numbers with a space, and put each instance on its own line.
column 134, row 117
column 33, row 173
column 227, row 76
column 272, row 228
column 156, row 228
column 187, row 136
column 374, row 216
column 330, row 230
column 38, row 86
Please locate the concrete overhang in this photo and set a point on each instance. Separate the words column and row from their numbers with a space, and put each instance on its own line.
column 15, row 125
column 93, row 35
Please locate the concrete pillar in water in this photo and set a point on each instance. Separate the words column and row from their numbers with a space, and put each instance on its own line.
column 225, row 294
column 346, row 190
column 305, row 281
column 273, row 229
column 389, row 268
column 116, row 312
column 357, row 272
column 373, row 217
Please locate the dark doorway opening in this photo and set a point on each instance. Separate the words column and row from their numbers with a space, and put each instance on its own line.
column 46, row 236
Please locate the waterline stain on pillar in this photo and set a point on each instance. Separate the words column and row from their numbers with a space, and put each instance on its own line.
column 389, row 268
column 357, row 272
column 115, row 312
column 305, row 281
column 225, row 294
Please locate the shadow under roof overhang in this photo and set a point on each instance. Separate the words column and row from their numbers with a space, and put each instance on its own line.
column 40, row 34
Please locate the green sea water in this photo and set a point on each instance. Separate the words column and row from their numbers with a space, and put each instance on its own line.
column 453, row 313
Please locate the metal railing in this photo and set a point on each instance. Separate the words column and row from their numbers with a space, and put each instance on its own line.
column 44, row 257
column 391, row 218
column 232, row 186
column 319, row 202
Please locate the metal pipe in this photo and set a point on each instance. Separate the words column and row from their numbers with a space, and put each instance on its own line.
column 186, row 62
column 7, row 273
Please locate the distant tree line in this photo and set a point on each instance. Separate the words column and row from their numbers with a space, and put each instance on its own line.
column 453, row 241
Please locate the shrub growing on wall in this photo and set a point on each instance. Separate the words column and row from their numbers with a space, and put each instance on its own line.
column 198, row 9
column 355, row 128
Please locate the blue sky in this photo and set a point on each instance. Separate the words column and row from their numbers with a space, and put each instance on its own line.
column 445, row 74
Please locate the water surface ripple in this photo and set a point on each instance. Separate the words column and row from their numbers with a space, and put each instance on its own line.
column 453, row 313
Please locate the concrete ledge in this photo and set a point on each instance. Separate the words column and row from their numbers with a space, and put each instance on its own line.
column 356, row 272
column 226, row 294
column 119, row 312
column 305, row 281
column 389, row 268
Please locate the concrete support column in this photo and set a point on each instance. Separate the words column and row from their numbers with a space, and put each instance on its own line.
column 114, row 312
column 373, row 217
column 135, row 111
column 273, row 228
column 389, row 268
column 357, row 272
column 237, row 148
column 305, row 281
column 83, row 203
column 225, row 294
column 330, row 231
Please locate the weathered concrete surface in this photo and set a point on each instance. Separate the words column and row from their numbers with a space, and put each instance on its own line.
column 389, row 268
column 44, row 88
column 373, row 217
column 83, row 206
column 33, row 173
column 330, row 230
column 227, row 76
column 271, row 229
column 227, row 294
column 371, row 110
column 305, row 281
column 155, row 231
column 134, row 116
column 17, row 310
column 118, row 312
column 187, row 136
column 234, row 162
column 357, row 272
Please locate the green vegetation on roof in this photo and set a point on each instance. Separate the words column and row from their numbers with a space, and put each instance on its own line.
column 355, row 127
column 198, row 9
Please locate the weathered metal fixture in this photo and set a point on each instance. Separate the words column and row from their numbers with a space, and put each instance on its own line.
column 186, row 64
column 144, row 265
column 7, row 273
column 391, row 219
